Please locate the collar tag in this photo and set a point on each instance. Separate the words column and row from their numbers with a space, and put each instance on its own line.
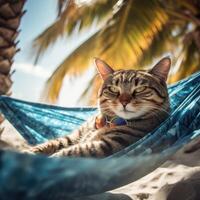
column 117, row 121
column 101, row 121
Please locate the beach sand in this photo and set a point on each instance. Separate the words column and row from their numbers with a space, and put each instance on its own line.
column 176, row 179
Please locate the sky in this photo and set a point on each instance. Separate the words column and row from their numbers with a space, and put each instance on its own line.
column 28, row 79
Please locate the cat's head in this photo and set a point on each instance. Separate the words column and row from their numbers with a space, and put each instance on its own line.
column 131, row 94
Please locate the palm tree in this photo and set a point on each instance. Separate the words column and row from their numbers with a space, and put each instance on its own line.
column 11, row 12
column 130, row 33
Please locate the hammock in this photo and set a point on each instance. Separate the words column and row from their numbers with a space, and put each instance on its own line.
column 39, row 177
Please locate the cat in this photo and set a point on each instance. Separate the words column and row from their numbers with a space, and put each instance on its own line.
column 131, row 104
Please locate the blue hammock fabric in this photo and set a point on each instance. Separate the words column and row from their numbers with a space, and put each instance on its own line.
column 39, row 177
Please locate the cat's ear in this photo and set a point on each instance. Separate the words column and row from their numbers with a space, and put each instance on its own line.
column 161, row 69
column 103, row 68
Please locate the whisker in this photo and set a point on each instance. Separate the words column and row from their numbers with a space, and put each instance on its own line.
column 156, row 115
column 156, row 108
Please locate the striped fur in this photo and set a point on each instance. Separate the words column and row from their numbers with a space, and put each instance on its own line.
column 138, row 96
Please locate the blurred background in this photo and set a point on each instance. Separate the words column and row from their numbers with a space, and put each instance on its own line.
column 58, row 39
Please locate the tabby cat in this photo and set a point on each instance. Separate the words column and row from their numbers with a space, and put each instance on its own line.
column 131, row 104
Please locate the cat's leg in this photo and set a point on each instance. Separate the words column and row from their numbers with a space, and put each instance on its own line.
column 87, row 149
column 105, row 142
column 50, row 146
column 55, row 145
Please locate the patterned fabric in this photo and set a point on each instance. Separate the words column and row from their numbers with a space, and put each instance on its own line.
column 39, row 177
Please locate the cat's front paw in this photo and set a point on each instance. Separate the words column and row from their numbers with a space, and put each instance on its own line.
column 55, row 155
column 28, row 151
column 62, row 153
column 32, row 150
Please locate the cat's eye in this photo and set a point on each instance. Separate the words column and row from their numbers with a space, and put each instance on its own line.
column 113, row 89
column 140, row 89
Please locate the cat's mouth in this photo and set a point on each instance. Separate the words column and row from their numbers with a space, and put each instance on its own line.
column 127, row 111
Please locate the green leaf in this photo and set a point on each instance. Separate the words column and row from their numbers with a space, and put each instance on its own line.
column 130, row 31
column 71, row 16
column 75, row 64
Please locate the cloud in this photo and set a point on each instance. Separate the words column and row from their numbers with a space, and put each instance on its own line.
column 34, row 70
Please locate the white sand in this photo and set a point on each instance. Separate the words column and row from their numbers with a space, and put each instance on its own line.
column 178, row 178
column 12, row 139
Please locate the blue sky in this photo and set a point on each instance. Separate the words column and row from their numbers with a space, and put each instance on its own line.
column 28, row 79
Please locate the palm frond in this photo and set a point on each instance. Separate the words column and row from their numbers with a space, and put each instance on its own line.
column 190, row 62
column 61, row 4
column 131, row 30
column 49, row 36
column 75, row 64
column 89, row 91
column 97, row 10
column 40, row 44
column 162, row 42
column 71, row 15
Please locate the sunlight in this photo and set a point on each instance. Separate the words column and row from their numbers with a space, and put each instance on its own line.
column 34, row 70
column 83, row 2
column 73, row 88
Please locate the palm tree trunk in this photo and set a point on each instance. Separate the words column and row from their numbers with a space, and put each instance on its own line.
column 11, row 12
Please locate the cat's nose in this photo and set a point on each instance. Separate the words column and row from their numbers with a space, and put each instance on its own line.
column 124, row 104
column 125, row 99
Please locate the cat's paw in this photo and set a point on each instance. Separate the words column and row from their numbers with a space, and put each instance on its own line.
column 32, row 150
column 28, row 151
column 55, row 155
column 61, row 153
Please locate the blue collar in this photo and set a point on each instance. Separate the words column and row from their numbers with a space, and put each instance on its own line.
column 116, row 121
column 102, row 121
